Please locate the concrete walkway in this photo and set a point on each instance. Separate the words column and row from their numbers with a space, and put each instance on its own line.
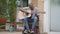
column 10, row 32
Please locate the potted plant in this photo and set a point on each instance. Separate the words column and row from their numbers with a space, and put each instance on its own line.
column 11, row 5
column 3, row 18
column 3, row 11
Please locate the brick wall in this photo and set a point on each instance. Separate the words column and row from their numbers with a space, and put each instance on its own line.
column 41, row 9
column 40, row 5
column 35, row 2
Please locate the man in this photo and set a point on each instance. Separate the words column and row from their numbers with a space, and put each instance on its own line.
column 33, row 18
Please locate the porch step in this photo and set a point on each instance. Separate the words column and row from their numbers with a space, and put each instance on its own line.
column 10, row 32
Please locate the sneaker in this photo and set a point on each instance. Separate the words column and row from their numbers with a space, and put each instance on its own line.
column 29, row 31
column 25, row 32
column 32, row 32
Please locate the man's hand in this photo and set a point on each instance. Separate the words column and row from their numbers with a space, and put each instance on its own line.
column 42, row 12
column 24, row 11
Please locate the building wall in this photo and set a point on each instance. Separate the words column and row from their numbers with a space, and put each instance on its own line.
column 35, row 2
column 41, row 9
column 40, row 5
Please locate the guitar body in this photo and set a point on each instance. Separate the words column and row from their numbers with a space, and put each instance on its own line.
column 21, row 14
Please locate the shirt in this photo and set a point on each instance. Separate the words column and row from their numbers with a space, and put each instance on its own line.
column 33, row 12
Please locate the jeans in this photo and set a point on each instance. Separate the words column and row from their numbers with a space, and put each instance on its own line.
column 27, row 20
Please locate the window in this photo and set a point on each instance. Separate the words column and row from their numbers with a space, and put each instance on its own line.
column 20, row 3
column 25, row 3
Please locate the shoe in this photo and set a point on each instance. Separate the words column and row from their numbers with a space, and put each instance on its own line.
column 29, row 31
column 25, row 32
column 32, row 32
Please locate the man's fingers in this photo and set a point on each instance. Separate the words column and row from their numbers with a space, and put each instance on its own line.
column 21, row 9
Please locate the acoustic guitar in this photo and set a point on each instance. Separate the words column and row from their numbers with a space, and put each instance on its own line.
column 21, row 14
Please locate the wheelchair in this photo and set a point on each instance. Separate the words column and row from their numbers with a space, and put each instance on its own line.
column 36, row 29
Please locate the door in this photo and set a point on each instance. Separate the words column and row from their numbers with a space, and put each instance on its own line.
column 55, row 16
column 52, row 16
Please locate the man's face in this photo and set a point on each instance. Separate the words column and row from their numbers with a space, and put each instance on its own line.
column 31, row 6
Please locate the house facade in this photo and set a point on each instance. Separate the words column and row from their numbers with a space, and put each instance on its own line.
column 40, row 5
column 37, row 3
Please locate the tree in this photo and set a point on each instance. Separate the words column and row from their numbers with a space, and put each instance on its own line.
column 3, row 8
column 11, row 5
